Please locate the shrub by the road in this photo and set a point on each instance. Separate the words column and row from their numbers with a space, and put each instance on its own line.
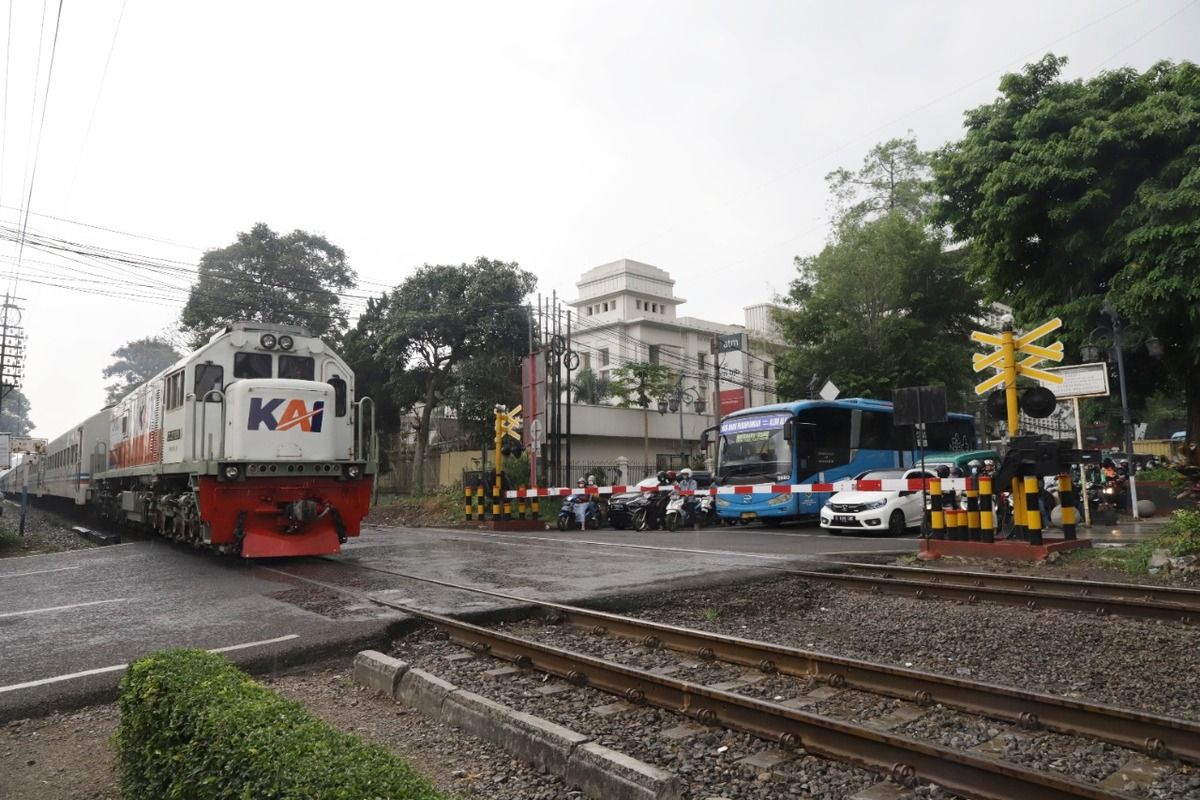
column 194, row 726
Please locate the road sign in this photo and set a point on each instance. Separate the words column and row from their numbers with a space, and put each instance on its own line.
column 829, row 391
column 27, row 444
column 1003, row 358
column 537, row 432
column 1079, row 380
column 5, row 451
column 729, row 342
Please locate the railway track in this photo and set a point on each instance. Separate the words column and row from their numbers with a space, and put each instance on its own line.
column 902, row 759
column 1156, row 735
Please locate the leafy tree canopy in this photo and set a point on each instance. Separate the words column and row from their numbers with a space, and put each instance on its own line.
column 591, row 388
column 639, row 384
column 14, row 414
column 1077, row 193
column 445, row 323
column 136, row 362
column 892, row 180
column 291, row 280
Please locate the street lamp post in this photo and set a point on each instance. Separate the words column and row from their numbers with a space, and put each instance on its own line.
column 1090, row 353
column 675, row 402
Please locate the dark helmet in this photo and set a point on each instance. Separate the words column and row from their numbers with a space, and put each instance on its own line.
column 662, row 476
column 956, row 471
column 943, row 471
column 670, row 475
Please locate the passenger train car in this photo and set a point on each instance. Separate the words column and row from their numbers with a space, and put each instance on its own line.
column 253, row 444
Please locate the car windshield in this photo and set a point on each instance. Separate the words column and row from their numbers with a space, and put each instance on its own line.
column 880, row 475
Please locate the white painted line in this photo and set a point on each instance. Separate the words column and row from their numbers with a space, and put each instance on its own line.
column 61, row 608
column 118, row 667
column 103, row 549
column 36, row 572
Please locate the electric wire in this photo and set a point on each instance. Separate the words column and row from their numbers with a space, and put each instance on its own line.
column 96, row 105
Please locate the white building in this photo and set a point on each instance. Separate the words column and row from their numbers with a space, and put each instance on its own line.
column 628, row 312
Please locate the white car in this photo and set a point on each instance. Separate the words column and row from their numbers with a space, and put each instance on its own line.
column 894, row 512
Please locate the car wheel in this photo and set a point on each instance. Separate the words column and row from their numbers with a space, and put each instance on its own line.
column 672, row 522
column 593, row 523
column 562, row 523
column 897, row 524
column 639, row 520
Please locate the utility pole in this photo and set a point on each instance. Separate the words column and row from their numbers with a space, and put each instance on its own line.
column 12, row 364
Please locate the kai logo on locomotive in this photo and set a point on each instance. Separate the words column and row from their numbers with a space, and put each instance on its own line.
column 295, row 415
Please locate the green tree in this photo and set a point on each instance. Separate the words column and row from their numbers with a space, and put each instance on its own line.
column 1077, row 193
column 591, row 388
column 883, row 306
column 894, row 178
column 136, row 362
column 293, row 280
column 14, row 414
column 442, row 320
column 639, row 384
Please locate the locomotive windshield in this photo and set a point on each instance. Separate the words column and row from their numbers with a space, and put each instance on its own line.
column 298, row 368
column 251, row 365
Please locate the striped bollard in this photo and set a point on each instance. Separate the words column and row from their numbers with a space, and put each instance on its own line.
column 1033, row 513
column 468, row 497
column 937, row 519
column 973, row 509
column 534, row 508
column 1066, row 497
column 987, row 522
column 480, row 507
column 521, row 503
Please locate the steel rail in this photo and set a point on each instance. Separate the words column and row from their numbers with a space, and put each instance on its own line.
column 1157, row 736
column 1082, row 588
column 924, row 590
column 903, row 759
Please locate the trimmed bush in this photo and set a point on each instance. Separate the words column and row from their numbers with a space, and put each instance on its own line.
column 194, row 726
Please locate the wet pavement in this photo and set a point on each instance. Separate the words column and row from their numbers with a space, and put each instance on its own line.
column 70, row 621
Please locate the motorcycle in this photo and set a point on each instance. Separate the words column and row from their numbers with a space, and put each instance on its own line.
column 700, row 512
column 579, row 511
column 650, row 514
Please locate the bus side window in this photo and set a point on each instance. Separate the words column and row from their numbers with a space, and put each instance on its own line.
column 876, row 431
column 339, row 396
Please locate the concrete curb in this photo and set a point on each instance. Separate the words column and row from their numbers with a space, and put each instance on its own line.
column 598, row 770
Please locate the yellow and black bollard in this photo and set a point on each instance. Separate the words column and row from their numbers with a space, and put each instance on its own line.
column 534, row 508
column 1066, row 498
column 973, row 509
column 937, row 519
column 987, row 522
column 468, row 497
column 1033, row 513
column 521, row 501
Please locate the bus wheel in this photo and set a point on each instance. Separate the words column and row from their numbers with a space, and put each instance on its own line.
column 772, row 522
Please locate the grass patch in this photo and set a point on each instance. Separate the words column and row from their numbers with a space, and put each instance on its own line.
column 1180, row 537
column 194, row 726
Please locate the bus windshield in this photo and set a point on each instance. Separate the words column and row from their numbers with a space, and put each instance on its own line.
column 753, row 448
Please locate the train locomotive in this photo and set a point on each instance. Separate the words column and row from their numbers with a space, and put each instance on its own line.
column 253, row 444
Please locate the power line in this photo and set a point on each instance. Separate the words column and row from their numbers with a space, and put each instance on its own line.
column 99, row 93
column 41, row 128
column 4, row 123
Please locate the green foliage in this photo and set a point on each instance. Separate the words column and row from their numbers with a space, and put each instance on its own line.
column 1182, row 535
column 265, row 277
column 893, row 180
column 448, row 335
column 882, row 306
column 14, row 414
column 640, row 384
column 591, row 388
column 136, row 362
column 193, row 726
column 1077, row 193
column 1164, row 475
column 516, row 470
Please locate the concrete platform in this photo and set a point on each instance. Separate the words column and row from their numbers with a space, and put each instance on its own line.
column 1007, row 549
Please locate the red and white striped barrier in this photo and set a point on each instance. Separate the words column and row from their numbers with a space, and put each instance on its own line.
column 891, row 485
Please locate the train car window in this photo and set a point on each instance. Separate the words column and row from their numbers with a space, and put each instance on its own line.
column 208, row 378
column 297, row 368
column 251, row 365
column 339, row 396
column 174, row 390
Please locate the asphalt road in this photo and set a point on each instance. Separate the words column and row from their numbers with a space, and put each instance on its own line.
column 70, row 621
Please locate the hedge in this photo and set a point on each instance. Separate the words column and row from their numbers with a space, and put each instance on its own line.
column 194, row 726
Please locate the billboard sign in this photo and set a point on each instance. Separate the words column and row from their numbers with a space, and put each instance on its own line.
column 730, row 342
column 1079, row 380
column 5, row 450
column 732, row 400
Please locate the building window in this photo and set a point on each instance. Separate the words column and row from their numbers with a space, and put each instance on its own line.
column 653, row 358
column 766, row 370
column 586, row 361
column 604, row 356
column 639, row 305
column 700, row 362
column 606, row 306
column 589, row 311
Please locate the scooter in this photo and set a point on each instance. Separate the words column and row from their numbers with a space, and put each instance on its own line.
column 579, row 511
column 651, row 515
column 680, row 514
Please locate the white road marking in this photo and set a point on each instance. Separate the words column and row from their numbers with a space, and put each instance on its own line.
column 61, row 608
column 103, row 549
column 118, row 667
column 36, row 572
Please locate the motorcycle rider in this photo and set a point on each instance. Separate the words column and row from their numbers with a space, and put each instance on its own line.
column 688, row 483
column 580, row 502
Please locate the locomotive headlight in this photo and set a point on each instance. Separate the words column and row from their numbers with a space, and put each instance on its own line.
column 267, row 340
column 232, row 472
column 286, row 343
column 353, row 471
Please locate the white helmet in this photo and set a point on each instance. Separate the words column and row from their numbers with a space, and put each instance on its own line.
column 685, row 473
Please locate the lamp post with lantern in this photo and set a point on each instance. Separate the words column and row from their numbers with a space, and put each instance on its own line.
column 1092, row 352
column 675, row 401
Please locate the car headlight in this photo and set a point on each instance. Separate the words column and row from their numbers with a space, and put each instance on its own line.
column 779, row 499
column 232, row 472
column 267, row 340
column 874, row 505
column 721, row 502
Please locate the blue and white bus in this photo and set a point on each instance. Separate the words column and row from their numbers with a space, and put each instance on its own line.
column 814, row 441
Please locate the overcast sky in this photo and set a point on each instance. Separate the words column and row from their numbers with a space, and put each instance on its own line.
column 690, row 135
